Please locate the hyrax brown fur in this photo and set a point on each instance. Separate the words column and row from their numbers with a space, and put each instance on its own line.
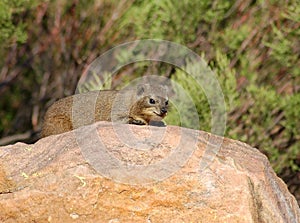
column 141, row 106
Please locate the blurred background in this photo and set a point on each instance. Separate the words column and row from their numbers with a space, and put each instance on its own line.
column 252, row 46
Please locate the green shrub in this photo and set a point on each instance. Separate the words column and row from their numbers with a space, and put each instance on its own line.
column 12, row 29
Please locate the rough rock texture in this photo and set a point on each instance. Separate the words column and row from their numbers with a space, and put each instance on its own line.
column 55, row 179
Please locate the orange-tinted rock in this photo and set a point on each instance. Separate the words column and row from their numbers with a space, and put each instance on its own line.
column 189, row 179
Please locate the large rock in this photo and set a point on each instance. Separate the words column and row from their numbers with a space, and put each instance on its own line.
column 127, row 173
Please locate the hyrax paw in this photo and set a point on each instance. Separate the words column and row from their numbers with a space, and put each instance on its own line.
column 137, row 122
column 157, row 123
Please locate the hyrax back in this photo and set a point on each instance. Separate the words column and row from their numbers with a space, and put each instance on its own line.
column 136, row 106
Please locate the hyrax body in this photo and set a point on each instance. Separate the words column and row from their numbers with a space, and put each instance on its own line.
column 139, row 106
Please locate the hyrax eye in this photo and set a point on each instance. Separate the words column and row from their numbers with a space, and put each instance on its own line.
column 152, row 101
column 167, row 102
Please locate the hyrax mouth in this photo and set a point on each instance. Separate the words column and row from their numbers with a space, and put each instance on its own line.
column 162, row 115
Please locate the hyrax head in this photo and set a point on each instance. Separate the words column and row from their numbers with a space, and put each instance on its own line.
column 152, row 102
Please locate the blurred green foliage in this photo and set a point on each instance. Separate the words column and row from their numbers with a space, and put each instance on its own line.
column 252, row 46
column 12, row 30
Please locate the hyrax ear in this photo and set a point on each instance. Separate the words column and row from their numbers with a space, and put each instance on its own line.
column 142, row 88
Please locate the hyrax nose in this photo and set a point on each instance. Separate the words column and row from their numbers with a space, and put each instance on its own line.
column 163, row 110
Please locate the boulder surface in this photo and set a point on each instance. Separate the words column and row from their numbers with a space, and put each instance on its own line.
column 126, row 173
